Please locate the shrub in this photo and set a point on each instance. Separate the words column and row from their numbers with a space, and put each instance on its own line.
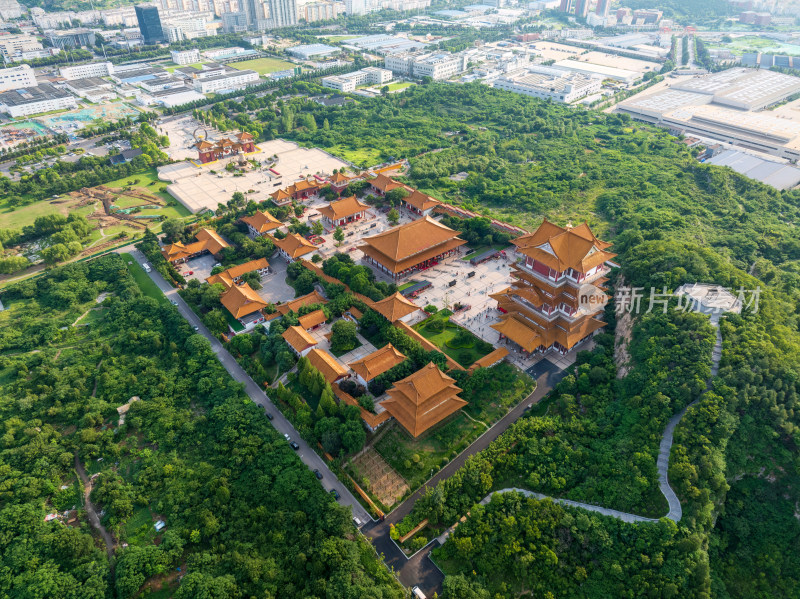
column 435, row 325
column 431, row 309
column 366, row 402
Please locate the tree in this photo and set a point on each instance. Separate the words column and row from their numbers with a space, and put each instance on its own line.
column 353, row 436
column 238, row 198
column 338, row 235
column 393, row 217
column 395, row 196
column 343, row 336
column 172, row 228
column 385, row 90
column 317, row 228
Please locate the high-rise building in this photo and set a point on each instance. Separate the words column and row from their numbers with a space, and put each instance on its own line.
column 603, row 7
column 581, row 8
column 282, row 13
column 150, row 24
column 555, row 298
column 234, row 22
column 355, row 7
column 566, row 6
column 254, row 10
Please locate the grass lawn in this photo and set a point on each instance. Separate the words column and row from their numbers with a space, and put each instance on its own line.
column 172, row 66
column 262, row 66
column 16, row 218
column 399, row 85
column 359, row 156
column 143, row 280
column 339, row 38
column 465, row 352
column 417, row 460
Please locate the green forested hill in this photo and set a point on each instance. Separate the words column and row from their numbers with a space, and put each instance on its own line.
column 526, row 159
column 244, row 517
column 735, row 463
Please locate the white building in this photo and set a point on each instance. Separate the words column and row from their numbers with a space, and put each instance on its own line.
column 84, row 71
column 183, row 57
column 355, row 7
column 349, row 81
column 231, row 81
column 320, row 11
column 93, row 89
column 17, row 77
column 550, row 84
column 437, row 66
column 11, row 45
column 35, row 100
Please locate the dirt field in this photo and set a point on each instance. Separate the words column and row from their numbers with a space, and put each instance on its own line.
column 384, row 483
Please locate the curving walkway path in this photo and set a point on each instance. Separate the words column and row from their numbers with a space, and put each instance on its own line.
column 675, row 513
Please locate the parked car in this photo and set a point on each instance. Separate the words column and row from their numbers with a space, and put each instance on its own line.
column 196, row 328
column 174, row 303
column 318, row 474
column 270, row 416
column 287, row 437
column 335, row 494
column 294, row 445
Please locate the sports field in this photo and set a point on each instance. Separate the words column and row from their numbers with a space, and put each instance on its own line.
column 262, row 66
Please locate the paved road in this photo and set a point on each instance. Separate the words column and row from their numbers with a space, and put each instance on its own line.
column 281, row 424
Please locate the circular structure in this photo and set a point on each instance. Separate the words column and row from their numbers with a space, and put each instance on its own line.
column 200, row 134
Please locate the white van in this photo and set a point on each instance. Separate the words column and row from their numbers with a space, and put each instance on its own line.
column 146, row 267
column 417, row 593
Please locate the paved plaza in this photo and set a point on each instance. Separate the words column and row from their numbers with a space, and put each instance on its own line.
column 198, row 188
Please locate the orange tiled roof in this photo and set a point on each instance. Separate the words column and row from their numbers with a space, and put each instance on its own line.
column 226, row 277
column 304, row 300
column 423, row 399
column 524, row 335
column 280, row 196
column 395, row 307
column 421, row 201
column 331, row 368
column 241, row 300
column 262, row 221
column 298, row 338
column 294, row 245
column 203, row 145
column 312, row 319
column 303, row 185
column 339, row 178
column 343, row 208
column 221, row 277
column 489, row 359
column 562, row 248
column 384, row 183
column 407, row 245
column 377, row 362
column 207, row 239
column 244, row 136
column 214, row 243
